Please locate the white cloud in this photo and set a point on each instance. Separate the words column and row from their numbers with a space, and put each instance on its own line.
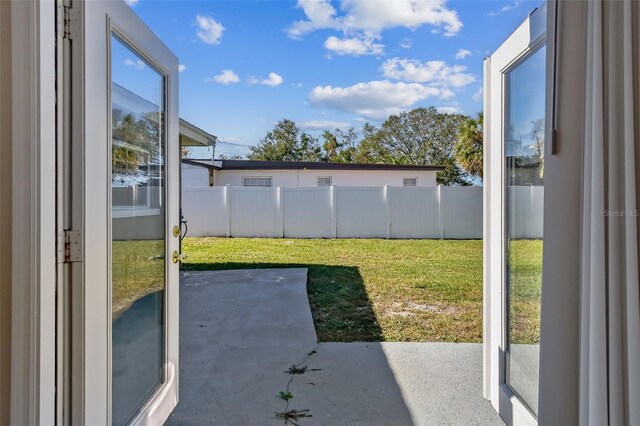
column 181, row 67
column 462, row 53
column 230, row 140
column 448, row 110
column 135, row 63
column 446, row 94
column 131, row 3
column 478, row 95
column 406, row 43
column 324, row 124
column 434, row 72
column 225, row 77
column 516, row 4
column 210, row 31
column 320, row 14
column 375, row 99
column 353, row 46
column 373, row 17
column 273, row 80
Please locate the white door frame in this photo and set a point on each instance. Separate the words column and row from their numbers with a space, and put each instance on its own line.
column 93, row 25
column 32, row 241
column 559, row 340
column 518, row 46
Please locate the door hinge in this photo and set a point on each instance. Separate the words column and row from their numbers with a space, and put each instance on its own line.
column 73, row 244
column 67, row 20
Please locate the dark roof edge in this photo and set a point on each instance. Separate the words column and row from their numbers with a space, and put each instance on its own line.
column 199, row 163
column 308, row 165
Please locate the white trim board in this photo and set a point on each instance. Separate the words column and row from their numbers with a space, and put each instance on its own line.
column 33, row 101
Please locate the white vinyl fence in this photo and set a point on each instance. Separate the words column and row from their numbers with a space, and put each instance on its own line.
column 348, row 212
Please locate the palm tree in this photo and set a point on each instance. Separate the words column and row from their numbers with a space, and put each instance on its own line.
column 469, row 146
column 135, row 141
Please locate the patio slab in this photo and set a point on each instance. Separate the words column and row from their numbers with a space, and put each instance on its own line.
column 240, row 331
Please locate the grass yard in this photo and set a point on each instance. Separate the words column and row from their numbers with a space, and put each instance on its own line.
column 526, row 285
column 138, row 270
column 382, row 290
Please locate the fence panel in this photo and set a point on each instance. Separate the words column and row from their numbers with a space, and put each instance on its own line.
column 308, row 212
column 352, row 212
column 461, row 209
column 361, row 212
column 414, row 212
column 205, row 211
column 528, row 204
column 255, row 212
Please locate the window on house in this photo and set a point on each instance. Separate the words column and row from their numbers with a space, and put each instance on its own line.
column 257, row 181
column 325, row 181
column 410, row 182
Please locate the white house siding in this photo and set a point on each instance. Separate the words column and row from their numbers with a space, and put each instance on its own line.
column 194, row 176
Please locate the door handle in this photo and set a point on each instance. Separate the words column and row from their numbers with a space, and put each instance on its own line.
column 178, row 257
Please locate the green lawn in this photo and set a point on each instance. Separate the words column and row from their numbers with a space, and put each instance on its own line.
column 526, row 269
column 382, row 290
column 138, row 270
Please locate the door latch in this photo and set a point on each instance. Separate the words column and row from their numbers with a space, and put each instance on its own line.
column 178, row 257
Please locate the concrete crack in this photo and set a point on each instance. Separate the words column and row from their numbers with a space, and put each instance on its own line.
column 292, row 416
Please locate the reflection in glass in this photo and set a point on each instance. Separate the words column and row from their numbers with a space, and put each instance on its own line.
column 524, row 148
column 138, row 231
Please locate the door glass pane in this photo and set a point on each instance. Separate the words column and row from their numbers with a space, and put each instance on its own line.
column 138, row 230
column 524, row 131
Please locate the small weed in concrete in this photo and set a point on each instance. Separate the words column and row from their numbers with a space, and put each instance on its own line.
column 292, row 416
column 285, row 395
column 294, row 369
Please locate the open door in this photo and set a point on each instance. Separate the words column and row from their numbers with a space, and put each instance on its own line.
column 515, row 110
column 124, row 218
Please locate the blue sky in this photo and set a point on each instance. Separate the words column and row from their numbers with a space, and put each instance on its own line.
column 247, row 64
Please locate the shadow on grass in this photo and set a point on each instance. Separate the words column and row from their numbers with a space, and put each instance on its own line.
column 339, row 302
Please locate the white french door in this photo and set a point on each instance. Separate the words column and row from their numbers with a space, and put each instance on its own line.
column 125, row 191
column 515, row 110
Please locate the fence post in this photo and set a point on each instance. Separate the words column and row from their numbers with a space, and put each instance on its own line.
column 387, row 206
column 440, row 218
column 334, row 217
column 280, row 212
column 227, row 208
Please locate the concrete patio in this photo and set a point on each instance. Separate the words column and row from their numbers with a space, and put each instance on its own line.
column 242, row 330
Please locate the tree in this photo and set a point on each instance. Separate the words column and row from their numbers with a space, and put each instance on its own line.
column 229, row 157
column 330, row 146
column 422, row 136
column 370, row 149
column 286, row 143
column 537, row 134
column 135, row 141
column 339, row 145
column 469, row 146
